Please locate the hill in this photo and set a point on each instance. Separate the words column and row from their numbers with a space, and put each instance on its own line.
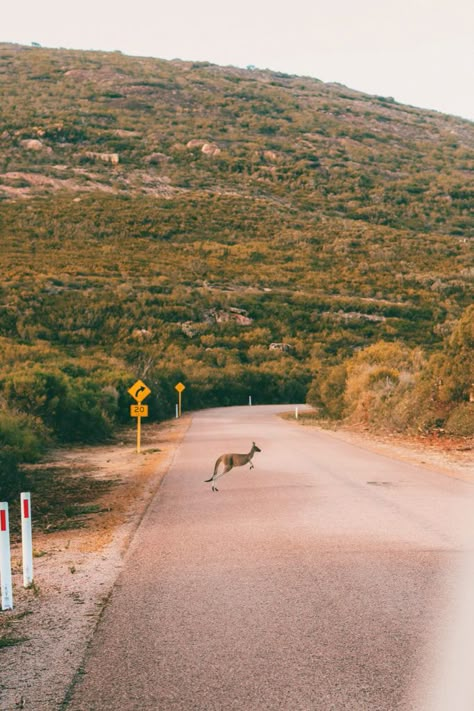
column 170, row 127
column 237, row 230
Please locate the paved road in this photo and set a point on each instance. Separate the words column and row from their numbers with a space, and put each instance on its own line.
column 310, row 583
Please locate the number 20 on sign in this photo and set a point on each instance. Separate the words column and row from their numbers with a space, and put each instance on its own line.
column 139, row 410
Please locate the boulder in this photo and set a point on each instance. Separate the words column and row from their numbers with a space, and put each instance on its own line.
column 32, row 144
column 210, row 149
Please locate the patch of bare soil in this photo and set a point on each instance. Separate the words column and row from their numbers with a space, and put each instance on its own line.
column 43, row 639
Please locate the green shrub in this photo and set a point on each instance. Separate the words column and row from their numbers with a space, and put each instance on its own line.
column 11, row 480
column 327, row 391
column 87, row 414
column 22, row 439
column 74, row 409
column 461, row 420
column 25, row 437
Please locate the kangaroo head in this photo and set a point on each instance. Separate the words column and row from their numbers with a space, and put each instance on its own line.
column 256, row 449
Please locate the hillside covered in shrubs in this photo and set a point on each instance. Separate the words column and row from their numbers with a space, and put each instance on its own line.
column 244, row 232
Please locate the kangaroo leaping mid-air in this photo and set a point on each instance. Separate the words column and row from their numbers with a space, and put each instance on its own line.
column 230, row 461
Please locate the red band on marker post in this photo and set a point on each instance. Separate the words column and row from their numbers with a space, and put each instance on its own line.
column 3, row 520
column 26, row 540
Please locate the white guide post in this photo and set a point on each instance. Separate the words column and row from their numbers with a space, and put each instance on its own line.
column 296, row 413
column 250, row 400
column 5, row 561
column 26, row 539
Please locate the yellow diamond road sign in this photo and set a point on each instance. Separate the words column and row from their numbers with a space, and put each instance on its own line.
column 180, row 387
column 139, row 391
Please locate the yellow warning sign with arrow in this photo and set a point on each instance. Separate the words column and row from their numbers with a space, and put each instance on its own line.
column 139, row 391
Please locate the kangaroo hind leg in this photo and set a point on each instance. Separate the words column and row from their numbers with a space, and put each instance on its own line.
column 228, row 467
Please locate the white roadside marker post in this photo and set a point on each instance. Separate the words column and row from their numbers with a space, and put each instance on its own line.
column 26, row 539
column 5, row 561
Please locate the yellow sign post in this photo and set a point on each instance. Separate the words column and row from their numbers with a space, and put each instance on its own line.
column 139, row 391
column 179, row 387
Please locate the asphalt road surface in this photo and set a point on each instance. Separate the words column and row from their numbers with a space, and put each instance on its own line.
column 313, row 582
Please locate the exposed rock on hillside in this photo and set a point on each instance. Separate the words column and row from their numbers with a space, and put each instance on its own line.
column 210, row 149
column 105, row 157
column 233, row 314
column 32, row 144
column 284, row 347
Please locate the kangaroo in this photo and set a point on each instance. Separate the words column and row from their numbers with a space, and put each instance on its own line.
column 230, row 461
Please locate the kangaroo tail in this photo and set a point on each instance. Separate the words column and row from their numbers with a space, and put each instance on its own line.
column 216, row 467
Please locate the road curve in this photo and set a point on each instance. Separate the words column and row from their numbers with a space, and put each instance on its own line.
column 310, row 583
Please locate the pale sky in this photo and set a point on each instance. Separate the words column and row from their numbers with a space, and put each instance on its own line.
column 421, row 52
